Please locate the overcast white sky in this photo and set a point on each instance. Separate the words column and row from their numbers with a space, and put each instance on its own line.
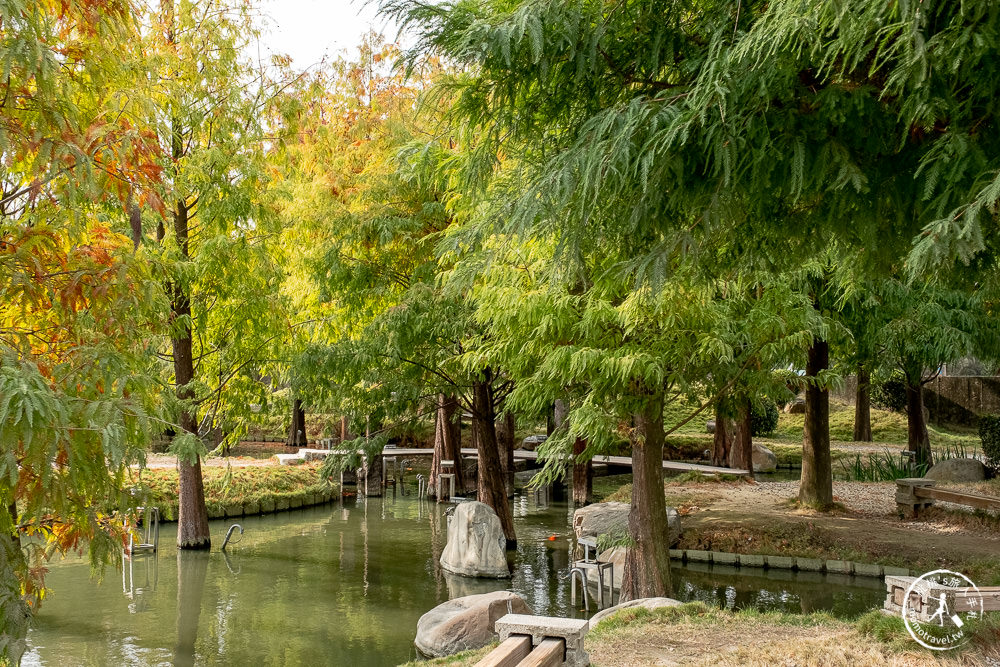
column 309, row 29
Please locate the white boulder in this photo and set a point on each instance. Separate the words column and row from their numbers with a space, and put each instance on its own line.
column 476, row 543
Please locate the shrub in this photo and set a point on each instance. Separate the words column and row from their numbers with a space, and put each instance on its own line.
column 889, row 393
column 763, row 417
column 989, row 433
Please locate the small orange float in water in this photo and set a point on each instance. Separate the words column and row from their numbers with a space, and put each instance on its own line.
column 552, row 538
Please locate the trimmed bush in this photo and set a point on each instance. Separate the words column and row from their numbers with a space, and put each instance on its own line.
column 889, row 393
column 989, row 433
column 763, row 417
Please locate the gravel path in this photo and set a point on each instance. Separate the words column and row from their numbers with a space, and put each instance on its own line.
column 870, row 499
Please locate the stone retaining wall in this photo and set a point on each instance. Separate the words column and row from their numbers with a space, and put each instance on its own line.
column 788, row 563
column 239, row 510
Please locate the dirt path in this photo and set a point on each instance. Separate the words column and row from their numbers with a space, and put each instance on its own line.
column 760, row 518
column 743, row 641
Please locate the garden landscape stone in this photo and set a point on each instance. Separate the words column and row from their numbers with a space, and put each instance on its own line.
column 612, row 519
column 465, row 623
column 764, row 460
column 644, row 603
column 957, row 470
column 476, row 543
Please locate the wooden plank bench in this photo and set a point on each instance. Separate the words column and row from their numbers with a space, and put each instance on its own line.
column 916, row 493
column 538, row 641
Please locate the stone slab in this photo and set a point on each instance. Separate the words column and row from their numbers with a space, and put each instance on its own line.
column 699, row 556
column 725, row 558
column 751, row 560
column 781, row 562
column 868, row 569
column 840, row 566
column 810, row 564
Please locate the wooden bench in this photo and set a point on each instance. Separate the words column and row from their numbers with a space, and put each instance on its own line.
column 538, row 641
column 917, row 493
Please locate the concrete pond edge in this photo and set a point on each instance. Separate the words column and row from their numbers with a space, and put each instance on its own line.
column 789, row 563
column 268, row 506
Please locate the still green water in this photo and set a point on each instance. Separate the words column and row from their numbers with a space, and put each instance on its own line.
column 342, row 584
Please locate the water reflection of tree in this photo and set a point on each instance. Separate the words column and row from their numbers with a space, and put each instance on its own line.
column 438, row 540
column 192, row 568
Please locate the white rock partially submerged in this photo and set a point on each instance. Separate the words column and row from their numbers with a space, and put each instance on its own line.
column 476, row 543
column 465, row 623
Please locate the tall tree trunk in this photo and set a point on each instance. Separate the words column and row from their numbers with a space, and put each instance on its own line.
column 192, row 519
column 560, row 414
column 447, row 444
column 192, row 569
column 723, row 440
column 505, row 438
column 863, row 406
column 297, row 431
column 583, row 475
column 492, row 487
column 15, row 614
column 918, row 441
column 345, row 430
column 647, row 562
column 741, row 453
column 816, row 484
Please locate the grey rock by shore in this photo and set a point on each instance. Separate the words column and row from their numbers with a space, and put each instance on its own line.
column 465, row 623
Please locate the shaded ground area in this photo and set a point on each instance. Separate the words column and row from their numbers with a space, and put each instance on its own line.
column 760, row 518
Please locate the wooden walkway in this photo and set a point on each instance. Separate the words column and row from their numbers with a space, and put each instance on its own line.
column 626, row 461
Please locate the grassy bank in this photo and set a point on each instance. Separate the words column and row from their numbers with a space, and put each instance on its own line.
column 260, row 486
column 695, row 634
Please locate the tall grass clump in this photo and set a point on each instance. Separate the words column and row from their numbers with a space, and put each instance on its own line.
column 881, row 467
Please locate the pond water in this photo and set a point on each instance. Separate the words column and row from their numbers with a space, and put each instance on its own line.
column 343, row 584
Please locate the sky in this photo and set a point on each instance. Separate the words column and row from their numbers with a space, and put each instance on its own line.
column 307, row 30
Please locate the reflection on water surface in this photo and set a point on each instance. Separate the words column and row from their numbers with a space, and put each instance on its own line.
column 340, row 584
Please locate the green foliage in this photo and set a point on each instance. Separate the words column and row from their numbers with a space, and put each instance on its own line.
column 763, row 417
column 989, row 434
column 889, row 392
column 888, row 629
column 187, row 447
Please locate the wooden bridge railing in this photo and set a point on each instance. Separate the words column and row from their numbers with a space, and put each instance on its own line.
column 916, row 493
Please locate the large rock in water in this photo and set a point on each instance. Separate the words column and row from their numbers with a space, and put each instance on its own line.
column 764, row 460
column 957, row 470
column 465, row 623
column 612, row 519
column 476, row 543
